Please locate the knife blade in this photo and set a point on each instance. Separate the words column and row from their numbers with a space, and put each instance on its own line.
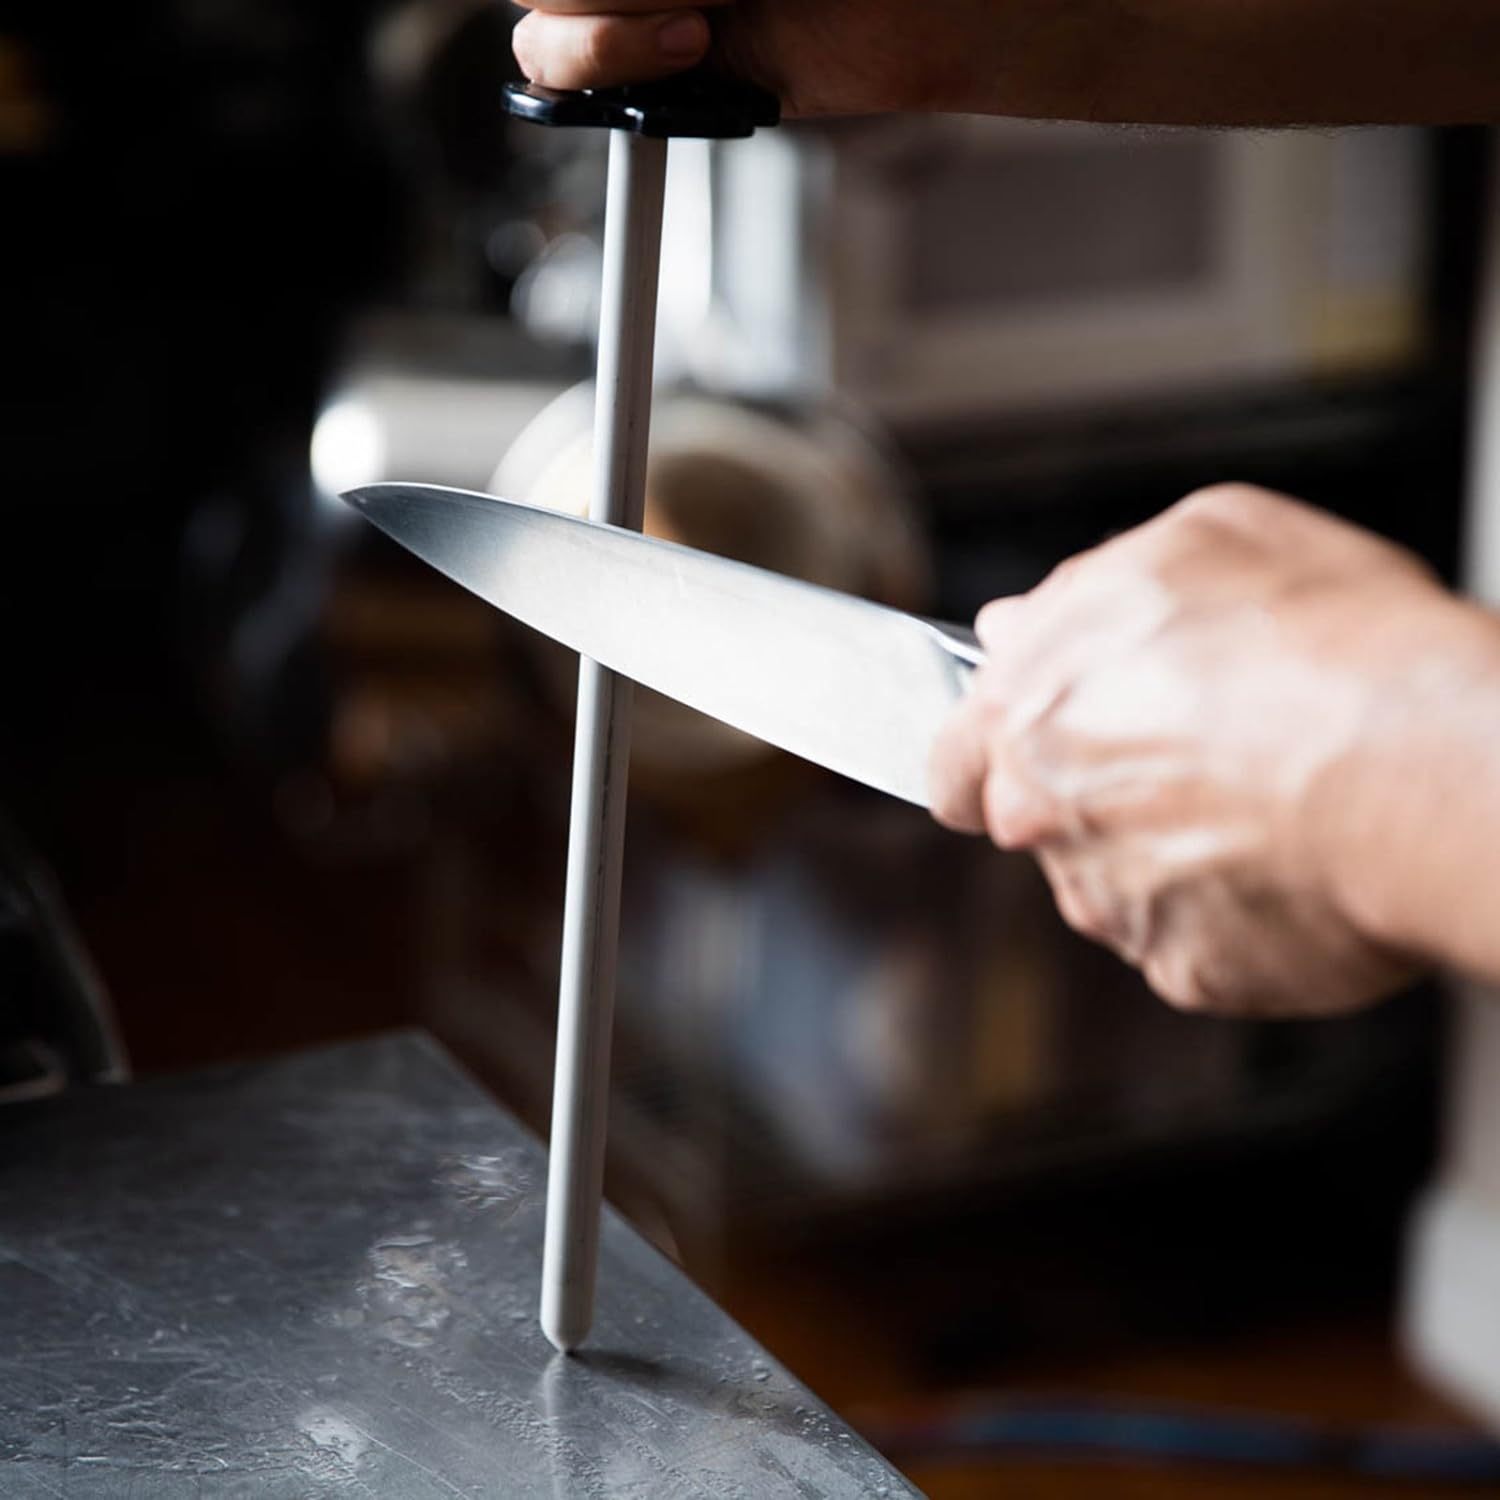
column 848, row 684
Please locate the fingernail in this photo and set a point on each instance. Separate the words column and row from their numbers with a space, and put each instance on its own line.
column 682, row 36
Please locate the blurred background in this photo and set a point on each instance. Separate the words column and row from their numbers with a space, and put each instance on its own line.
column 265, row 782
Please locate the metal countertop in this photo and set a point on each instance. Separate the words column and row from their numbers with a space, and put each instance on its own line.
column 318, row 1276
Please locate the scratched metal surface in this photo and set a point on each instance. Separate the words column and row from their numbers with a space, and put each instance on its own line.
column 318, row 1277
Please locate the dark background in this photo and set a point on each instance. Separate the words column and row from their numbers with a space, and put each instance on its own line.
column 197, row 201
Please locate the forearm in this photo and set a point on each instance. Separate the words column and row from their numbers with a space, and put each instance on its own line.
column 1176, row 62
column 1215, row 62
column 1416, row 834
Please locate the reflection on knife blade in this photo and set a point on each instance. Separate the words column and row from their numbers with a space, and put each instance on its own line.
column 851, row 685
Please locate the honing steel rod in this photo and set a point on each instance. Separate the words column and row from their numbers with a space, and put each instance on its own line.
column 601, row 757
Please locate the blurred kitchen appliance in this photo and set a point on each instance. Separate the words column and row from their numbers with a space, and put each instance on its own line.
column 943, row 273
column 959, row 268
column 441, row 396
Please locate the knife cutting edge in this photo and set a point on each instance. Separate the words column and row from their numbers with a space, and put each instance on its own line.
column 854, row 686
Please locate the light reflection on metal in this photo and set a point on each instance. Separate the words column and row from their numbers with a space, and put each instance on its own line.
column 348, row 449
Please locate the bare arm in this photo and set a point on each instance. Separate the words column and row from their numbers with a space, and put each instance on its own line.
column 1418, row 830
column 1213, row 62
column 1264, row 62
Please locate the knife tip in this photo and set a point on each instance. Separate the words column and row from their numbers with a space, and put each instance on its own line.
column 376, row 497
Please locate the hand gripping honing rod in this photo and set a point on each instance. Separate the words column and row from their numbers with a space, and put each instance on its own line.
column 641, row 119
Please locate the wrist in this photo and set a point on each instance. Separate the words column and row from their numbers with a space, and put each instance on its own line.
column 1406, row 822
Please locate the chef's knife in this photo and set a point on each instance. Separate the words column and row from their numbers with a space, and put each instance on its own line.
column 852, row 685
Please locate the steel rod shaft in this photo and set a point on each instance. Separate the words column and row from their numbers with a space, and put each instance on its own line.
column 622, row 422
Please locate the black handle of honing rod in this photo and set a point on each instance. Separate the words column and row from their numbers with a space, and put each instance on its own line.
column 702, row 104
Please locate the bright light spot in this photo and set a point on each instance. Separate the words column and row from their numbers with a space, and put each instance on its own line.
column 348, row 448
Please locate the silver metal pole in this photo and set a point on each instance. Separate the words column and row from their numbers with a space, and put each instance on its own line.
column 591, row 920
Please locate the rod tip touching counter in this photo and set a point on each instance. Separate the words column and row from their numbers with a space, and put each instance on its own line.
column 566, row 1331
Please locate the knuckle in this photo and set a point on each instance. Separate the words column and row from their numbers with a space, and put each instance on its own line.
column 1015, row 815
column 1082, row 917
column 952, row 813
column 995, row 619
column 1230, row 504
column 1080, row 907
column 945, row 794
column 1226, row 521
column 1181, row 982
column 1069, row 571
